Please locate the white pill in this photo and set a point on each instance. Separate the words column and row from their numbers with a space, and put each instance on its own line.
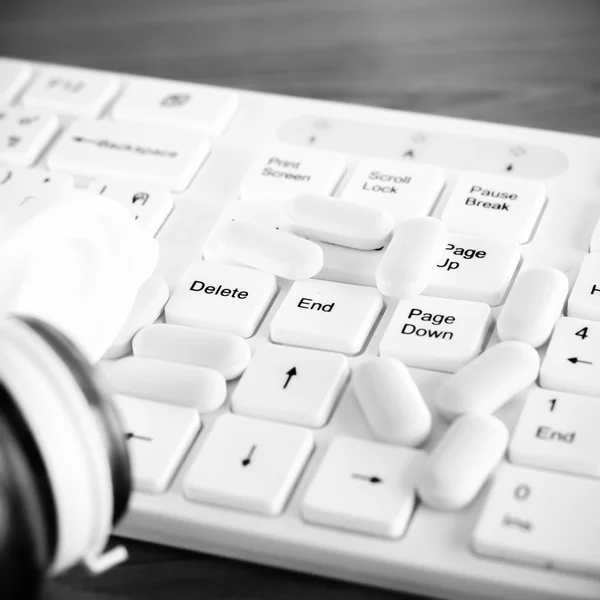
column 227, row 353
column 462, row 461
column 489, row 381
column 148, row 305
column 391, row 402
column 410, row 259
column 339, row 221
column 268, row 249
column 173, row 383
column 533, row 306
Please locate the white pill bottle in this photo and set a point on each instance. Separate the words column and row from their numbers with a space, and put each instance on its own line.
column 70, row 270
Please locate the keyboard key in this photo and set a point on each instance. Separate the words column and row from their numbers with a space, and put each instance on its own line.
column 148, row 306
column 18, row 185
column 401, row 188
column 149, row 204
column 24, row 134
column 462, row 461
column 410, row 259
column 284, row 172
column 348, row 265
column 436, row 333
column 173, row 103
column 224, row 352
column 71, row 91
column 364, row 486
column 158, row 437
column 169, row 157
column 490, row 381
column 327, row 316
column 173, row 383
column 542, row 519
column 558, row 431
column 336, row 221
column 291, row 385
column 572, row 359
column 584, row 301
column 13, row 77
column 222, row 297
column 533, row 306
column 391, row 402
column 474, row 268
column 499, row 207
column 267, row 249
column 247, row 464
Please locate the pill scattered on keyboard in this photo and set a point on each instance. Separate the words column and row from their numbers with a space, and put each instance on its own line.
column 411, row 257
column 489, row 381
column 173, row 383
column 533, row 306
column 267, row 249
column 147, row 307
column 462, row 461
column 227, row 353
column 339, row 221
column 391, row 402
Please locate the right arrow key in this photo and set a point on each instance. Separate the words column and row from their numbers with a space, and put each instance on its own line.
column 364, row 486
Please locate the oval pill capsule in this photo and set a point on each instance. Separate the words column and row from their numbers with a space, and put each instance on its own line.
column 489, row 381
column 173, row 383
column 268, row 249
column 533, row 306
column 227, row 353
column 462, row 461
column 410, row 259
column 339, row 221
column 391, row 402
column 148, row 306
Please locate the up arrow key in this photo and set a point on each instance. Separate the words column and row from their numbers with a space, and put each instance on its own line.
column 291, row 373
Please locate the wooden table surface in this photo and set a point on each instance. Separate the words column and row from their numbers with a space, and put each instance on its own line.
column 534, row 63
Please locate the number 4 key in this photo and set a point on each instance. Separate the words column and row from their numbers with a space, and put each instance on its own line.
column 572, row 361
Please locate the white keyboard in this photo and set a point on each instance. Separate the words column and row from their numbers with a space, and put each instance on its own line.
column 268, row 414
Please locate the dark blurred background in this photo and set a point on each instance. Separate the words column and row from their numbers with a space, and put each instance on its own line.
column 514, row 61
column 534, row 63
